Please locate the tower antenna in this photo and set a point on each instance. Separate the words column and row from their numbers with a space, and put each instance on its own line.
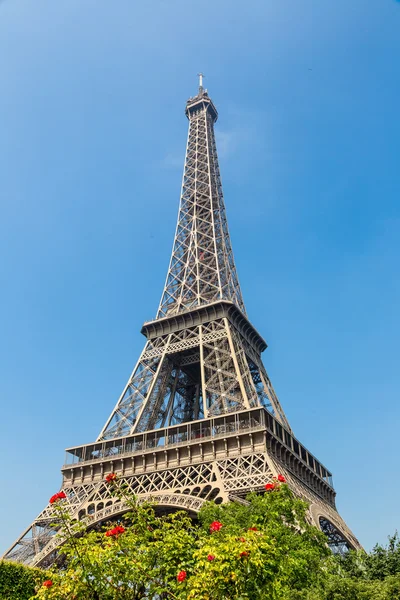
column 201, row 89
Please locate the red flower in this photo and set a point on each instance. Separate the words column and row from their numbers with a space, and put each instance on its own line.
column 253, row 529
column 115, row 532
column 243, row 554
column 181, row 576
column 281, row 478
column 47, row 583
column 210, row 557
column 270, row 486
column 242, row 539
column 56, row 497
column 215, row 526
column 111, row 477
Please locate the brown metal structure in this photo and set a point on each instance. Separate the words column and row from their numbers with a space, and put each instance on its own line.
column 199, row 418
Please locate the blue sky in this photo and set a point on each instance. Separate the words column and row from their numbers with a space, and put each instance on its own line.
column 91, row 154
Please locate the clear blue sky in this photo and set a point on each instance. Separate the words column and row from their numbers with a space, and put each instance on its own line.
column 91, row 154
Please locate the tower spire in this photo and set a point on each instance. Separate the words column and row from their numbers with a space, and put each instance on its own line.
column 201, row 89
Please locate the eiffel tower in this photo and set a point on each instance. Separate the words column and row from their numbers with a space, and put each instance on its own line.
column 198, row 419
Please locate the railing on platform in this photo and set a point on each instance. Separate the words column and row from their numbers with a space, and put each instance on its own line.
column 252, row 420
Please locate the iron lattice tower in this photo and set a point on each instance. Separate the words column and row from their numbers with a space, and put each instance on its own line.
column 199, row 418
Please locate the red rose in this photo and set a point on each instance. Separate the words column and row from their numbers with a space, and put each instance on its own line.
column 115, row 532
column 111, row 477
column 253, row 529
column 56, row 497
column 281, row 478
column 181, row 576
column 215, row 526
column 270, row 486
column 47, row 583
column 210, row 557
column 243, row 554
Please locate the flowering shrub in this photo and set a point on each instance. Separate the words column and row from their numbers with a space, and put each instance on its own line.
column 234, row 551
column 263, row 550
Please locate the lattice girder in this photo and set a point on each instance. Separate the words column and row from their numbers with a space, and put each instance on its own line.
column 224, row 367
column 202, row 268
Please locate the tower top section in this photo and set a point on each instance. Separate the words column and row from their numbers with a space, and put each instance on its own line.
column 202, row 269
column 200, row 102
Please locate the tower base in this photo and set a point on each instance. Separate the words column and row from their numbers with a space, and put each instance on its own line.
column 181, row 467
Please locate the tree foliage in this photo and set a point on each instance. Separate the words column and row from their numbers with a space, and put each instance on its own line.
column 261, row 549
column 380, row 563
column 18, row 582
column 266, row 549
column 374, row 576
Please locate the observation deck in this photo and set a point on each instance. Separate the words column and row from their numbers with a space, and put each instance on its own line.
column 201, row 101
column 203, row 441
column 202, row 314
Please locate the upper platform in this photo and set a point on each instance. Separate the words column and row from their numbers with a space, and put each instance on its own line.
column 201, row 101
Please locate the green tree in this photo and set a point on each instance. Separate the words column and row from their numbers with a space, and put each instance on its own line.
column 383, row 561
column 380, row 563
column 374, row 576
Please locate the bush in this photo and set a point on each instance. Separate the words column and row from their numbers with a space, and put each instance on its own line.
column 18, row 582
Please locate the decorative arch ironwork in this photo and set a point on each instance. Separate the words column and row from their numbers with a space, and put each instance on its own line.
column 336, row 540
